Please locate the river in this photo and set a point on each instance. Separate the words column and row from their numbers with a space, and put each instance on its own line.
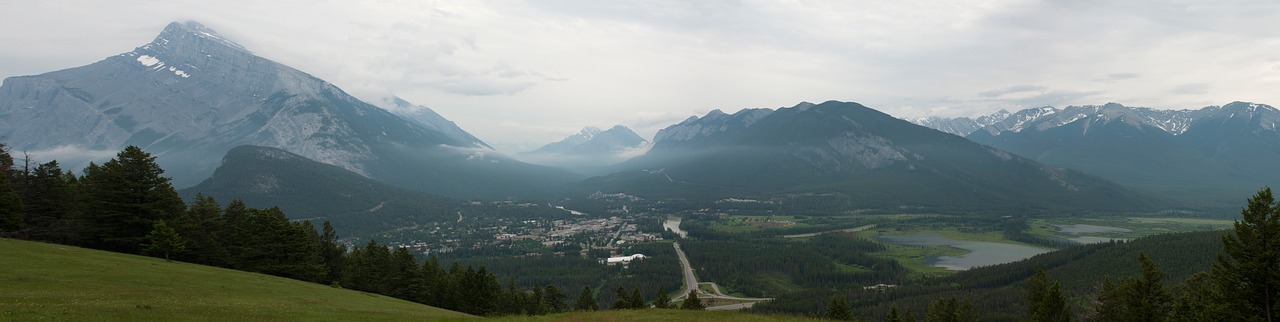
column 673, row 224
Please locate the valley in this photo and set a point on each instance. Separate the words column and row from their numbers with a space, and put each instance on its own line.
column 258, row 191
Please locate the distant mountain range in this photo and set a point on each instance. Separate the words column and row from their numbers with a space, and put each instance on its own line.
column 868, row 157
column 590, row 150
column 191, row 95
column 1214, row 154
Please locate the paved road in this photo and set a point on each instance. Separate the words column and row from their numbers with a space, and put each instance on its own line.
column 690, row 281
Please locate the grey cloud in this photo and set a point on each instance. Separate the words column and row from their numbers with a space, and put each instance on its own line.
column 1012, row 90
column 1121, row 76
column 1192, row 89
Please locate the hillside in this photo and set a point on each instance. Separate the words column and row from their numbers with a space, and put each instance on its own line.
column 57, row 282
column 305, row 189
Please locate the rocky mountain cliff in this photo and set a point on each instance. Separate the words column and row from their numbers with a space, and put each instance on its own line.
column 191, row 95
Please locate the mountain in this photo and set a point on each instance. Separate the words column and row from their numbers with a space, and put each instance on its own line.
column 869, row 158
column 304, row 189
column 427, row 117
column 591, row 150
column 1208, row 157
column 1240, row 135
column 191, row 95
column 961, row 126
column 593, row 141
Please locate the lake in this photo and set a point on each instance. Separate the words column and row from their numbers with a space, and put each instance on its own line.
column 980, row 253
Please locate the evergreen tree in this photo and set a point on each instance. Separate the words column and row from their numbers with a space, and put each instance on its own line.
column 50, row 204
column 950, row 310
column 11, row 209
column 621, row 300
column 538, row 302
column 692, row 302
column 662, row 300
column 1107, row 305
column 586, row 300
column 124, row 197
column 1249, row 273
column 556, row 300
column 1196, row 300
column 164, row 240
column 893, row 315
column 1045, row 302
column 839, row 309
column 636, row 300
column 1136, row 298
column 235, row 233
column 332, row 255
column 199, row 226
column 908, row 316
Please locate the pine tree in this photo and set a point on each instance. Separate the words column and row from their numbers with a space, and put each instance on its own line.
column 332, row 255
column 1196, row 299
column 49, row 201
column 893, row 315
column 839, row 309
column 164, row 240
column 556, row 299
column 124, row 197
column 692, row 302
column 199, row 226
column 1249, row 273
column 662, row 300
column 636, row 300
column 586, row 300
column 1146, row 297
column 1045, row 302
column 11, row 208
column 621, row 300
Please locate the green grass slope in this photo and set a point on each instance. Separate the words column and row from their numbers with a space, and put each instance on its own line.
column 41, row 282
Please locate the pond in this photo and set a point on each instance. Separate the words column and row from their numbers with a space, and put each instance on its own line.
column 980, row 253
column 673, row 224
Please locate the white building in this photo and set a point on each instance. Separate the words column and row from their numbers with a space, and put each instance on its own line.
column 623, row 259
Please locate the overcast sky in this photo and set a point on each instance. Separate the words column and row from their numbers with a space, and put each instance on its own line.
column 515, row 72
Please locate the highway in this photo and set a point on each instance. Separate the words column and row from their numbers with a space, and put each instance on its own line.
column 691, row 283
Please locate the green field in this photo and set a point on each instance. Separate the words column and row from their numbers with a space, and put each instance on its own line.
column 41, row 282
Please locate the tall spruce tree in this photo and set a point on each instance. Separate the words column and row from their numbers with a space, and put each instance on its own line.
column 692, row 302
column 586, row 300
column 1249, row 272
column 11, row 209
column 124, row 197
column 662, row 300
column 1045, row 302
column 164, row 241
column 555, row 299
column 838, row 309
column 621, row 300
